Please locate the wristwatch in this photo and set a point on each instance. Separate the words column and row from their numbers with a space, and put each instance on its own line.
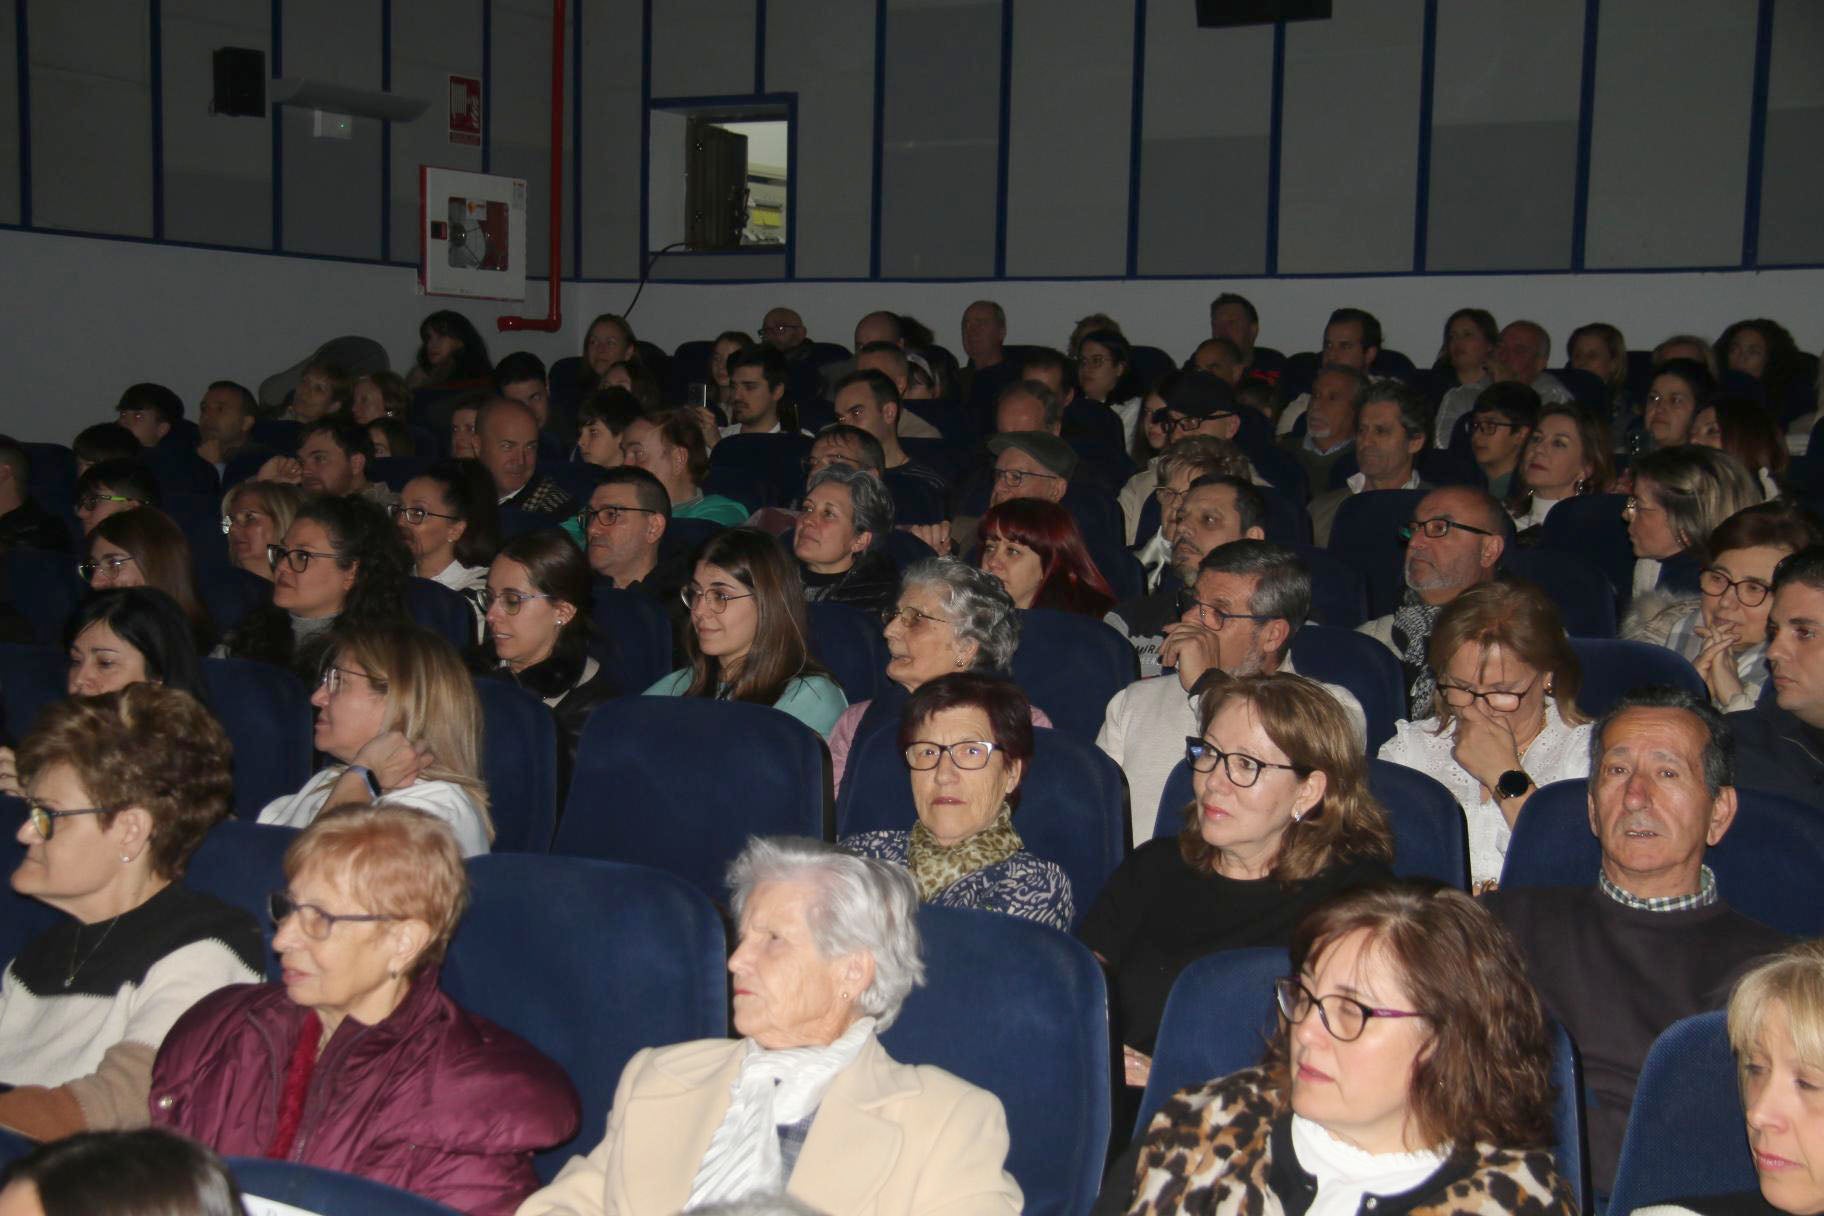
column 373, row 783
column 1513, row 783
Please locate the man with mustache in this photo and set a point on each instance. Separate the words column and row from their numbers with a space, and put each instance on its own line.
column 1652, row 941
column 1457, row 535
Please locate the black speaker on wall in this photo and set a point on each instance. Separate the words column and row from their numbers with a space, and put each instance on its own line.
column 240, row 82
column 1214, row 13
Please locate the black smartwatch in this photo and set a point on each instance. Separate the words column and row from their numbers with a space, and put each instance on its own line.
column 373, row 783
column 1513, row 783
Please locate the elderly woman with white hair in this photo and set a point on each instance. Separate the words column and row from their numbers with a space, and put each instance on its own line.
column 806, row 1101
column 950, row 617
column 840, row 543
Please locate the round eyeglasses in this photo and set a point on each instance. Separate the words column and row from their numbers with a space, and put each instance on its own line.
column 108, row 568
column 1243, row 770
column 717, row 599
column 1751, row 593
column 1343, row 1016
column 969, row 755
column 313, row 921
column 510, row 601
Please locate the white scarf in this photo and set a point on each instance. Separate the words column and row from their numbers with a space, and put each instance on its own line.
column 773, row 1089
column 1345, row 1174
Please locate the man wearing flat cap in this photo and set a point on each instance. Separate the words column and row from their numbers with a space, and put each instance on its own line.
column 1030, row 464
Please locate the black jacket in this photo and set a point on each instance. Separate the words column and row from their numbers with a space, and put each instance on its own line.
column 1775, row 751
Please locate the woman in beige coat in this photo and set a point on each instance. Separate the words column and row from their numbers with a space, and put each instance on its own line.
column 806, row 1101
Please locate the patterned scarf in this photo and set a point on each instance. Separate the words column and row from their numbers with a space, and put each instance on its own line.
column 1412, row 624
column 937, row 868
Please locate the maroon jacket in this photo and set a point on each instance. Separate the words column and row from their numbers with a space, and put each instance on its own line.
column 432, row 1100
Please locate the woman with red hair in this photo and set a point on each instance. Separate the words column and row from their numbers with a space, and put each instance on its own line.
column 1036, row 550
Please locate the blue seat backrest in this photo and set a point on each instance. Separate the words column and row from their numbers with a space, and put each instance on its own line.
column 53, row 473
column 13, row 1146
column 642, row 793
column 330, row 1192
column 1070, row 666
column 1287, row 522
column 1585, row 600
column 1366, row 535
column 519, row 763
column 622, row 958
column 848, row 641
column 445, row 612
column 905, row 548
column 516, row 522
column 1591, row 529
column 279, row 434
column 1585, row 388
column 576, row 478
column 241, row 862
column 1360, row 664
column 1019, row 1010
column 1072, row 810
column 1613, row 666
column 1430, row 837
column 776, row 461
column 640, row 632
column 1149, row 363
column 395, row 471
column 690, row 364
column 1766, row 865
column 1686, row 1135
column 266, row 711
column 44, row 587
column 1338, row 597
column 230, row 593
column 31, row 677
column 684, row 537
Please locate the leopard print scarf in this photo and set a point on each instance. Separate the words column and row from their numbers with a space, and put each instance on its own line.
column 936, row 868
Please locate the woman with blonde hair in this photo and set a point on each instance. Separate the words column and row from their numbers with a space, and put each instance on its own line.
column 1680, row 495
column 398, row 716
column 256, row 514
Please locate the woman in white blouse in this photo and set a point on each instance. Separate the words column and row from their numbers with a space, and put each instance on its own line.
column 1504, row 718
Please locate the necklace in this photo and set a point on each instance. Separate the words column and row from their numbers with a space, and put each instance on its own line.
column 76, row 943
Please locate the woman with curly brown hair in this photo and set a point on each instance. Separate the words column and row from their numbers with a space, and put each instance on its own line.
column 1411, row 1070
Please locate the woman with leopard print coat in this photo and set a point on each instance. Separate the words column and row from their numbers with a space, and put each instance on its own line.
column 1409, row 1077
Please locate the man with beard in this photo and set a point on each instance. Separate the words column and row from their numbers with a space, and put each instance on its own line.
column 1456, row 538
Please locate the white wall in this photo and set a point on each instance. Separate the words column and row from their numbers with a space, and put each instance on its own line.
column 92, row 316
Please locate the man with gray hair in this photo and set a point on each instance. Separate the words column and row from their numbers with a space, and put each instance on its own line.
column 1332, row 405
column 1390, row 430
column 1249, row 599
column 1652, row 941
column 1454, row 542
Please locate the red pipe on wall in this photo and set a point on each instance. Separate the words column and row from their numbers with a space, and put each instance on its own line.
column 553, row 318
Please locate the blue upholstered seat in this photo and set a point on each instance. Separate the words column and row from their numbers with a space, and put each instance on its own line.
column 1613, row 667
column 1359, row 663
column 519, row 763
column 1070, row 666
column 848, row 641
column 1686, row 1135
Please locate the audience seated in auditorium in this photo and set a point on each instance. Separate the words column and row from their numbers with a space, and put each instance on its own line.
column 103, row 441
column 949, row 617
column 324, row 387
column 1663, row 790
column 1235, row 318
column 840, row 542
column 1504, row 718
column 1680, row 495
column 333, row 454
column 340, row 563
column 1332, row 406
column 601, row 420
column 225, row 419
column 758, row 404
column 398, row 719
column 1211, row 510
column 507, row 434
column 1390, row 431
column 806, row 1101
column 1085, row 422
column 451, row 354
column 746, row 640
column 608, row 340
column 1238, row 617
column 143, row 548
column 120, row 1173
column 1500, row 424
column 967, row 741
column 1680, row 388
column 1780, row 741
column 1566, row 455
column 109, row 488
column 121, row 789
column 671, row 447
column 1283, row 819
column 357, row 1061
column 869, row 401
column 1470, row 335
column 1723, row 628
column 380, row 395
column 1036, row 551
column 1352, row 339
column 447, row 518
column 1411, row 1069
column 1745, row 430
column 1762, row 350
column 255, row 516
column 893, row 361
column 1454, row 542
column 539, row 603
column 24, row 524
column 1182, row 405
column 984, row 337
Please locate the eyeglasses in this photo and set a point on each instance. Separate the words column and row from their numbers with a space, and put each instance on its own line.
column 333, row 678
column 1499, row 699
column 109, row 567
column 816, row 464
column 1437, row 527
column 415, row 515
column 314, row 921
column 1207, row 611
column 1243, row 770
column 88, row 502
column 297, row 559
column 1635, row 505
column 44, row 819
column 911, row 618
column 241, row 519
column 510, row 601
column 1095, row 363
column 1751, row 593
column 969, row 755
column 1488, row 426
column 1167, row 496
column 1343, row 1016
column 1171, row 426
column 1013, row 479
column 715, row 597
column 607, row 516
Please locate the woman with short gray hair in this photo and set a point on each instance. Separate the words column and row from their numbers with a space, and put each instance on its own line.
column 950, row 617
column 840, row 541
column 828, row 950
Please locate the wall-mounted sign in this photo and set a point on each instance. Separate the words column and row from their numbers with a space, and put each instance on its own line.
column 471, row 234
column 465, row 110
